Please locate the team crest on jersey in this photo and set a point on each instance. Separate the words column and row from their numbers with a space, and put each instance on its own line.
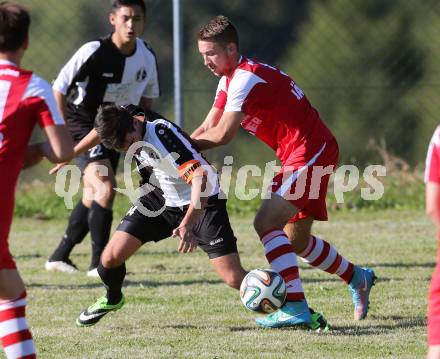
column 153, row 155
column 141, row 75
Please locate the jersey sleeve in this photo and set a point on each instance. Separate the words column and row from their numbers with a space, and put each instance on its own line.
column 39, row 96
column 432, row 169
column 75, row 68
column 177, row 147
column 239, row 88
column 152, row 89
column 221, row 94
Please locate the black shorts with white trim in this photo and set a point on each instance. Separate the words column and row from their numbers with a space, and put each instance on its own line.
column 97, row 153
column 213, row 230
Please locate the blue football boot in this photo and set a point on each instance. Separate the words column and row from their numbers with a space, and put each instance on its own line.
column 291, row 314
column 360, row 286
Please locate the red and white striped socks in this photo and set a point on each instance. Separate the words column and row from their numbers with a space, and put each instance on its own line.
column 282, row 258
column 320, row 254
column 15, row 336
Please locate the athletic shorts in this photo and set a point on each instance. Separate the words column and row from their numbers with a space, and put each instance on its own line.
column 303, row 181
column 434, row 307
column 213, row 231
column 99, row 152
column 6, row 213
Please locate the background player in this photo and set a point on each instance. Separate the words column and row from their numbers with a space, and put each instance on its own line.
column 268, row 104
column 120, row 68
column 25, row 99
column 432, row 179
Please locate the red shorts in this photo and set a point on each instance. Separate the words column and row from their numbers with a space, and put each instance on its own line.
column 434, row 308
column 304, row 181
column 6, row 213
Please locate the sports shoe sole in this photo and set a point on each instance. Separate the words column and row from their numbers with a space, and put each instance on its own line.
column 82, row 324
column 318, row 324
column 93, row 273
column 61, row 267
column 78, row 323
column 373, row 283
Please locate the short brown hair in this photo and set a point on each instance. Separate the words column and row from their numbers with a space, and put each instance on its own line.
column 219, row 30
column 14, row 26
column 119, row 3
column 113, row 123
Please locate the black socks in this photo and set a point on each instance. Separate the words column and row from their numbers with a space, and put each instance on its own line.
column 77, row 229
column 100, row 223
column 112, row 279
column 97, row 219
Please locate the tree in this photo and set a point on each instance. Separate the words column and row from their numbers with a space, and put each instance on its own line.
column 360, row 63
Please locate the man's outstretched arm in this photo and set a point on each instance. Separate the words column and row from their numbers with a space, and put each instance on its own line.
column 221, row 134
column 89, row 141
column 211, row 120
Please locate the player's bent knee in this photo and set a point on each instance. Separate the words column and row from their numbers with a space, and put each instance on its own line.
column 110, row 260
column 107, row 193
column 233, row 278
column 299, row 242
column 233, row 281
column 262, row 225
column 266, row 220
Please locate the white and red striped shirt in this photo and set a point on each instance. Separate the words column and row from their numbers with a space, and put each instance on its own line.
column 25, row 99
column 432, row 170
column 276, row 109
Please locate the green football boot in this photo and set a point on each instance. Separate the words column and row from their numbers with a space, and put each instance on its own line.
column 318, row 323
column 95, row 312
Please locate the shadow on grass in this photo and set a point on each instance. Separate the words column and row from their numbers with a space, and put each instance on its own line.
column 335, row 279
column 180, row 326
column 394, row 322
column 399, row 322
column 27, row 256
column 143, row 252
column 64, row 286
column 147, row 283
column 383, row 265
column 127, row 283
column 403, row 265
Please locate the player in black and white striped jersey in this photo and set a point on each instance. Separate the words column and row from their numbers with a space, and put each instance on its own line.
column 120, row 68
column 181, row 200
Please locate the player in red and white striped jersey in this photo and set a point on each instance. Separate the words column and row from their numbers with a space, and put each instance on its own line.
column 25, row 99
column 432, row 180
column 268, row 104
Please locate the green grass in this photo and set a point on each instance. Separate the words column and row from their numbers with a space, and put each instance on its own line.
column 178, row 308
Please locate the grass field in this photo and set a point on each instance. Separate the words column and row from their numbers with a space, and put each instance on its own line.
column 178, row 308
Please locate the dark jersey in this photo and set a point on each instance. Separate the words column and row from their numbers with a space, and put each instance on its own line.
column 99, row 73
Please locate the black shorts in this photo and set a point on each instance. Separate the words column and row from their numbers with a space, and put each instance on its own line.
column 213, row 231
column 99, row 152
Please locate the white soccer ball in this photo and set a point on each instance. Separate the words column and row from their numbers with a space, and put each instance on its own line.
column 263, row 290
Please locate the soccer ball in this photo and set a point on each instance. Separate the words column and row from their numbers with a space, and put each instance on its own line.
column 263, row 290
